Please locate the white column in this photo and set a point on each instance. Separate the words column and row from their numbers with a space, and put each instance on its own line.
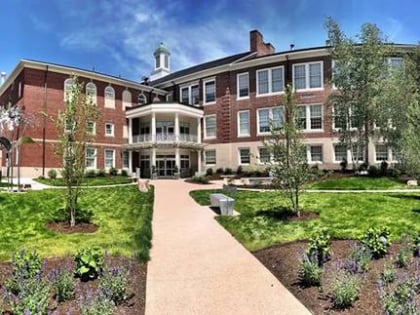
column 130, row 131
column 199, row 160
column 198, row 130
column 177, row 159
column 177, row 128
column 153, row 127
column 153, row 158
column 130, row 161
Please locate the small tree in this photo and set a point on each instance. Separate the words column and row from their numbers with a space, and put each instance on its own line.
column 72, row 124
column 289, row 164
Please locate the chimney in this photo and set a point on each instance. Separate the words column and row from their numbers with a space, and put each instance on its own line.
column 257, row 44
column 2, row 78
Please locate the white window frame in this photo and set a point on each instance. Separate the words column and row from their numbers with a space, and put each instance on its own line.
column 248, row 133
column 238, row 90
column 309, row 153
column 308, row 117
column 387, row 150
column 93, row 96
column 112, row 129
column 270, row 81
column 143, row 97
column 106, row 159
column 307, row 76
column 211, row 162
column 67, row 85
column 205, row 93
column 109, row 97
column 205, row 127
column 351, row 128
column 126, row 99
column 190, row 95
column 270, row 158
column 348, row 154
column 93, row 127
column 240, row 156
column 125, row 159
column 270, row 118
column 94, row 157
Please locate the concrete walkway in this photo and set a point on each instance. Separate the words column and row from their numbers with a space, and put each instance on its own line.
column 197, row 267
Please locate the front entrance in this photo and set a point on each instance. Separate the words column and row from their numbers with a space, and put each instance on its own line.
column 165, row 165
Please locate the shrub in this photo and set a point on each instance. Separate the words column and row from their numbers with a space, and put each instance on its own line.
column 358, row 261
column 363, row 167
column 219, row 171
column 416, row 245
column 52, row 174
column 343, row 165
column 90, row 173
column 376, row 239
column 403, row 257
column 228, row 171
column 388, row 274
column 373, row 171
column 198, row 180
column 239, row 170
column 384, row 168
column 63, row 285
column 89, row 263
column 319, row 247
column 113, row 284
column 101, row 173
column 345, row 290
column 309, row 273
column 124, row 173
column 113, row 171
column 96, row 304
column 209, row 172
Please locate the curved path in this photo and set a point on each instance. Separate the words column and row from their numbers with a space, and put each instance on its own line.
column 197, row 267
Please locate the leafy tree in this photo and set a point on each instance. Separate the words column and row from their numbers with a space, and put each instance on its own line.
column 72, row 124
column 289, row 165
column 359, row 75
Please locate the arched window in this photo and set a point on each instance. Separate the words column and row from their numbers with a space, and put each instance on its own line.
column 109, row 97
column 126, row 99
column 67, row 89
column 91, row 92
column 141, row 99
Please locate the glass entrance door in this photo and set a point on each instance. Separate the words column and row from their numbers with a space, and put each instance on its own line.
column 165, row 165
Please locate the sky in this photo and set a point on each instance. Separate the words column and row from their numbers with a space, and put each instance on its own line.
column 118, row 37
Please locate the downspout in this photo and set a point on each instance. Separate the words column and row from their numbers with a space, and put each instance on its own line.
column 44, row 121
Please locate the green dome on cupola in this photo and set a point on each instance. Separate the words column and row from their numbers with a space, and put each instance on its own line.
column 161, row 49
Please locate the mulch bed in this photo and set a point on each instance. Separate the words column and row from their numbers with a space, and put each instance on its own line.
column 136, row 287
column 64, row 227
column 282, row 261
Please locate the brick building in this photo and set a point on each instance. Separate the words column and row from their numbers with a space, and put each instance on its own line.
column 212, row 115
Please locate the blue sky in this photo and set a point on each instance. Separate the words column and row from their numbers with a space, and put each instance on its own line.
column 118, row 37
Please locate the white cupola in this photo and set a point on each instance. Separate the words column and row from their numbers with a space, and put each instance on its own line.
column 161, row 55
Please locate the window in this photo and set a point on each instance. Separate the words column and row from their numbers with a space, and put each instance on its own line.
column 270, row 81
column 210, row 157
column 91, row 127
column 20, row 89
column 396, row 62
column 184, row 128
column 210, row 126
column 91, row 92
column 243, row 123
column 90, row 158
column 109, row 158
column 190, row 95
column 243, row 85
column 358, row 152
column 109, row 129
column 315, row 153
column 264, row 155
column 157, row 61
column 126, row 99
column 141, row 99
column 268, row 117
column 346, row 118
column 340, row 152
column 125, row 159
column 308, row 76
column 209, row 91
column 185, row 161
column 309, row 117
column 244, row 156
column 381, row 151
column 68, row 89
column 395, row 155
column 109, row 97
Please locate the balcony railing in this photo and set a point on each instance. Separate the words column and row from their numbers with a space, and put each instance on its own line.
column 165, row 138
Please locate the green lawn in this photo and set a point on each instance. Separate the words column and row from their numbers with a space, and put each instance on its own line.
column 123, row 214
column 359, row 183
column 95, row 181
column 345, row 215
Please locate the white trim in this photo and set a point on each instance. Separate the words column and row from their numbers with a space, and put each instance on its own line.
column 205, row 127
column 164, row 108
column 113, row 158
column 127, row 101
column 239, row 124
column 238, row 97
column 215, row 157
column 204, row 91
column 307, row 76
column 239, row 155
column 112, row 129
column 308, row 117
column 109, row 102
column 269, row 81
column 95, row 158
column 93, row 133
column 270, row 118
column 309, row 155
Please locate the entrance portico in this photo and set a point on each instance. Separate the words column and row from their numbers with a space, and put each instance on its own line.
column 164, row 139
